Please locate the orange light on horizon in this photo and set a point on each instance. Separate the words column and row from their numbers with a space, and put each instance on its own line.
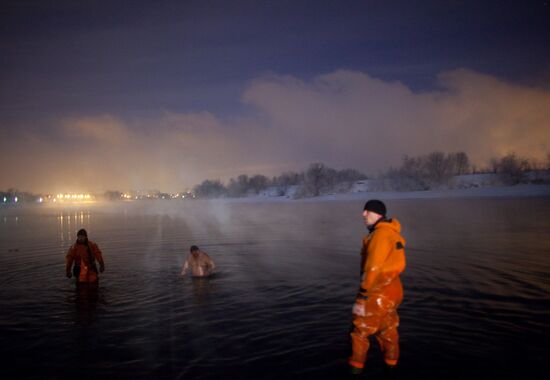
column 73, row 197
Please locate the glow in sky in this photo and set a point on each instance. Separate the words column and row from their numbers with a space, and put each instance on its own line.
column 98, row 96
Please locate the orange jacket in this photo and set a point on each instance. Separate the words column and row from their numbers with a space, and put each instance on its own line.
column 78, row 254
column 383, row 259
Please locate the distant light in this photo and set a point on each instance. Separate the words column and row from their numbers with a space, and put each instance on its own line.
column 15, row 199
column 5, row 199
column 40, row 200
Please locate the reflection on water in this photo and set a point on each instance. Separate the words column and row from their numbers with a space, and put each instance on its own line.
column 70, row 222
column 203, row 287
column 85, row 301
column 476, row 290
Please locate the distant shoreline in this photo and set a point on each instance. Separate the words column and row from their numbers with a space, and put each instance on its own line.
column 516, row 191
column 488, row 192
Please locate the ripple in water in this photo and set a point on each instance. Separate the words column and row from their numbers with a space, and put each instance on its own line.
column 476, row 291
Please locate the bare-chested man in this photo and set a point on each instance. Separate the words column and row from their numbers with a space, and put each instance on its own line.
column 200, row 263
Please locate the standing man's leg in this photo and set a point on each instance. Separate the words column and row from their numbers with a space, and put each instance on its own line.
column 364, row 326
column 359, row 343
column 388, row 338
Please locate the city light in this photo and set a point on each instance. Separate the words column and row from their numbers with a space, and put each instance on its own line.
column 78, row 198
column 73, row 197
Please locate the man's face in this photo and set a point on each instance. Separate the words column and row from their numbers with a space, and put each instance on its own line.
column 370, row 217
column 81, row 239
column 195, row 253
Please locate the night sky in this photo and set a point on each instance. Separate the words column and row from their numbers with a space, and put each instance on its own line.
column 98, row 95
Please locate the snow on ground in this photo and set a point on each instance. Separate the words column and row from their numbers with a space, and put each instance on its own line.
column 517, row 191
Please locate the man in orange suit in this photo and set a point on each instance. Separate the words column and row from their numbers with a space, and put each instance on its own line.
column 83, row 254
column 381, row 292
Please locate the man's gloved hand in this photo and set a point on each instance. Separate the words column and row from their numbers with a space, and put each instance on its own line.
column 69, row 274
column 101, row 268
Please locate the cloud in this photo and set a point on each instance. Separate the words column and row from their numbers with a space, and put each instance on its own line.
column 367, row 123
column 344, row 118
column 103, row 129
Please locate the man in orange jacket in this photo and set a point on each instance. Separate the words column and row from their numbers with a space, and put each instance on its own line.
column 83, row 254
column 381, row 292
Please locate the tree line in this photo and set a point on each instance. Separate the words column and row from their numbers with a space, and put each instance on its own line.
column 423, row 172
column 316, row 180
column 437, row 169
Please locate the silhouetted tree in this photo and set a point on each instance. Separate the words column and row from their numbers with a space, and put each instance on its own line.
column 210, row 189
column 314, row 180
column 238, row 187
column 438, row 167
column 350, row 175
column 460, row 163
column 511, row 168
column 288, row 179
column 427, row 171
column 258, row 183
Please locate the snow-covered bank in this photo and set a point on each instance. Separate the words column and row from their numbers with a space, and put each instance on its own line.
column 517, row 191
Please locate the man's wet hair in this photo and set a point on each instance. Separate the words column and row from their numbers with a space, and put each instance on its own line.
column 193, row 248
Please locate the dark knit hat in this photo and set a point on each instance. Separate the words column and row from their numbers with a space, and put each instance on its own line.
column 82, row 232
column 376, row 206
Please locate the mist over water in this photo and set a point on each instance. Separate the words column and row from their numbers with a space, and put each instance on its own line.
column 476, row 290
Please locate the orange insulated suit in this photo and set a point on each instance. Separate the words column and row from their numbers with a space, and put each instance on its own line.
column 84, row 257
column 381, row 292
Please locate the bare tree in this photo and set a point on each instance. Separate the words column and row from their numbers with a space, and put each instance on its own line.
column 210, row 189
column 438, row 167
column 258, row 183
column 318, row 179
column 314, row 179
column 427, row 171
column 459, row 162
column 288, row 179
column 238, row 187
column 350, row 175
column 511, row 168
column 410, row 176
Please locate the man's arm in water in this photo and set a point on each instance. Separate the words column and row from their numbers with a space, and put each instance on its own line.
column 185, row 267
column 209, row 262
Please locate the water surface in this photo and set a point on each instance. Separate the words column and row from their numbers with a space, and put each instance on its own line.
column 476, row 290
